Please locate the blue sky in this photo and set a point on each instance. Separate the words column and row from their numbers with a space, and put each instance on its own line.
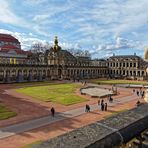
column 103, row 27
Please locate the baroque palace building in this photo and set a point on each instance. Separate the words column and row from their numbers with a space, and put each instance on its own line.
column 17, row 65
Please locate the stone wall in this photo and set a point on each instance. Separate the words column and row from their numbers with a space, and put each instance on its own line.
column 108, row 133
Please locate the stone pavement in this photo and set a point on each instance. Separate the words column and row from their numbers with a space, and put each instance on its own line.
column 36, row 123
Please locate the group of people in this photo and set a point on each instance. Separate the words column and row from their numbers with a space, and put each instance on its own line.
column 103, row 105
column 139, row 93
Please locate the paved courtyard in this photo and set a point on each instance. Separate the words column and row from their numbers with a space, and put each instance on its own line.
column 42, row 127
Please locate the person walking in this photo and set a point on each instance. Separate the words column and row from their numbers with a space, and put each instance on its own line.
column 138, row 103
column 87, row 108
column 102, row 101
column 137, row 93
column 102, row 105
column 110, row 99
column 52, row 111
column 105, row 107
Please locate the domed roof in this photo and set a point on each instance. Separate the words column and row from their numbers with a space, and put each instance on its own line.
column 8, row 38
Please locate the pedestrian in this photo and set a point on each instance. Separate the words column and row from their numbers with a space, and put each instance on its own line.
column 52, row 111
column 137, row 93
column 138, row 103
column 87, row 108
column 110, row 99
column 105, row 107
column 102, row 106
column 142, row 95
column 133, row 90
column 102, row 101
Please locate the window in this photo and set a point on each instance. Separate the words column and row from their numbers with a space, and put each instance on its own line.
column 123, row 64
column 116, row 64
column 127, row 64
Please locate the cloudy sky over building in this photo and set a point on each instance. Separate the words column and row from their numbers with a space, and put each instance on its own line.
column 103, row 27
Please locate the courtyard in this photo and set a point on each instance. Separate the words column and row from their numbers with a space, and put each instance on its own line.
column 31, row 104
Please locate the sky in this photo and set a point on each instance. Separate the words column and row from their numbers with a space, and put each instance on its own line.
column 103, row 27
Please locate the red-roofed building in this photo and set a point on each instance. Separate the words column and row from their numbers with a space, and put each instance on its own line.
column 10, row 50
column 7, row 39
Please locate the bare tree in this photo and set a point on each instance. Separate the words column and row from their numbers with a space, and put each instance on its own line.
column 87, row 53
column 78, row 52
column 39, row 47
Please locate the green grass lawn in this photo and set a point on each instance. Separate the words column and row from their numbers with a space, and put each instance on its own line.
column 5, row 113
column 59, row 93
column 120, row 82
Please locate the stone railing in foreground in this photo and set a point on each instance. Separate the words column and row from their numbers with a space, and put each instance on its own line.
column 108, row 133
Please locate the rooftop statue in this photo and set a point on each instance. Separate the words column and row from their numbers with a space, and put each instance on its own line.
column 146, row 54
column 56, row 47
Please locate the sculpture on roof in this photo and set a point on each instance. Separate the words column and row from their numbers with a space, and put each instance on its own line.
column 56, row 47
column 146, row 54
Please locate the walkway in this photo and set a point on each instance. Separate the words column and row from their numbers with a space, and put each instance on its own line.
column 36, row 123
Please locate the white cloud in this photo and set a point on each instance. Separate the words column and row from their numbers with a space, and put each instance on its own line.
column 7, row 15
column 42, row 17
column 120, row 43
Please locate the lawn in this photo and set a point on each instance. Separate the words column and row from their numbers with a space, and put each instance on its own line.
column 5, row 113
column 59, row 93
column 120, row 82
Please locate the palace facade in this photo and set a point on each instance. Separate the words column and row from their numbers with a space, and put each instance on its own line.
column 17, row 65
column 127, row 67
